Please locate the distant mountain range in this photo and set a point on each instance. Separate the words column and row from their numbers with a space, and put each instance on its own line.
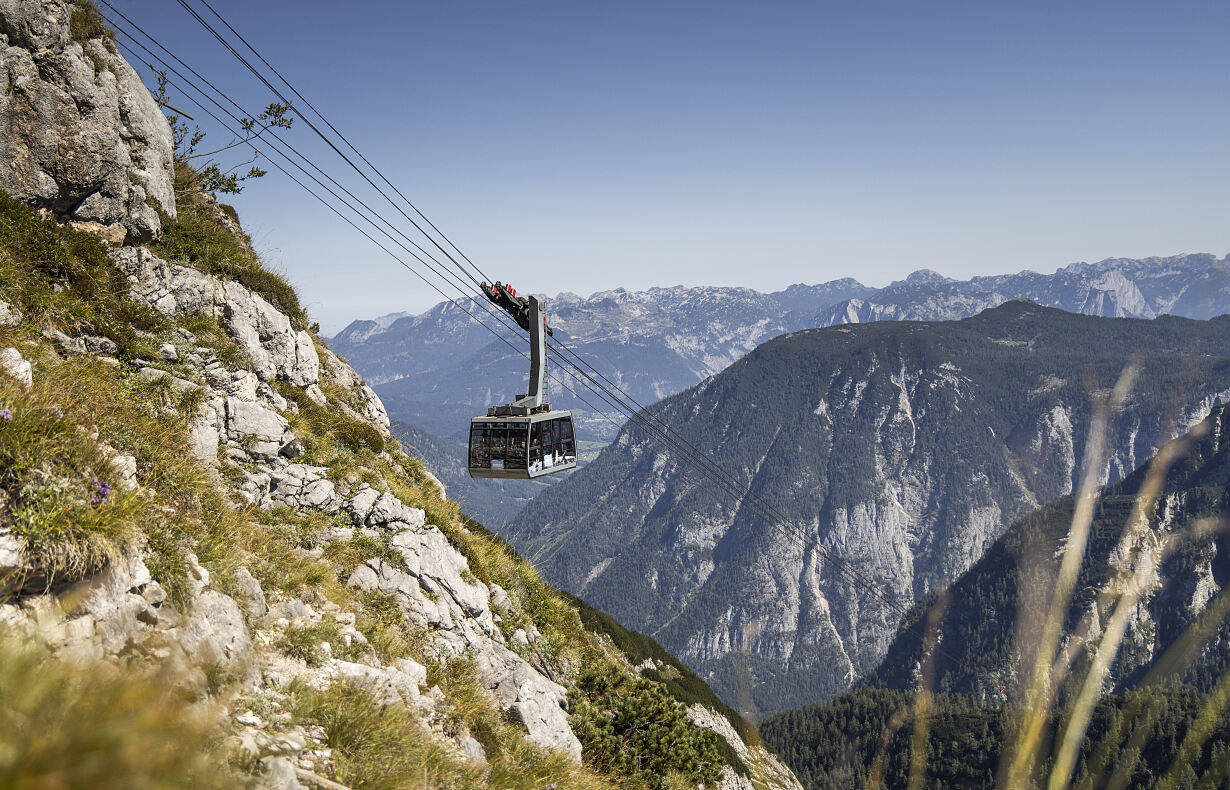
column 1195, row 286
column 900, row 450
column 435, row 370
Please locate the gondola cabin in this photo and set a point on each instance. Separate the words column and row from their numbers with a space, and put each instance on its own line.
column 522, row 447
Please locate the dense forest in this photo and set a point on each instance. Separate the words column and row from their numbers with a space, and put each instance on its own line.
column 1148, row 738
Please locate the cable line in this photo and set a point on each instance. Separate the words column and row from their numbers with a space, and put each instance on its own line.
column 273, row 137
column 349, row 145
column 623, row 403
column 247, row 64
column 307, row 189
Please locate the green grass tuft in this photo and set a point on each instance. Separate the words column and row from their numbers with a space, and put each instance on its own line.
column 62, row 278
column 198, row 238
column 86, row 23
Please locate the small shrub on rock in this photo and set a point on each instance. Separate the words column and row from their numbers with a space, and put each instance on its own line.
column 632, row 727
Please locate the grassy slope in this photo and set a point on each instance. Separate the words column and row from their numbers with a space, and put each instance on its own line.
column 52, row 471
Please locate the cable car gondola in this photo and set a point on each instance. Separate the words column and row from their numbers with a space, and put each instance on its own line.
column 524, row 439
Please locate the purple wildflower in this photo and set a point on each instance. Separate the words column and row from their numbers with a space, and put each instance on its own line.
column 102, row 490
column 6, row 414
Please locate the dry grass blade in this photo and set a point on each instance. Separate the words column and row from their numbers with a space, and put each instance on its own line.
column 1137, row 576
column 1022, row 757
column 1178, row 655
column 924, row 698
column 875, row 779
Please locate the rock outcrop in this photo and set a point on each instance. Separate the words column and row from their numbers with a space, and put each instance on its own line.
column 275, row 347
column 82, row 136
column 122, row 607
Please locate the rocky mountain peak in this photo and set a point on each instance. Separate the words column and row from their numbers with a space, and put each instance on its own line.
column 900, row 450
column 927, row 277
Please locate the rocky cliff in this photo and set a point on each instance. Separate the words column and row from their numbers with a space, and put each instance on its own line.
column 209, row 537
column 1175, row 558
column 901, row 449
column 82, row 138
column 1136, row 668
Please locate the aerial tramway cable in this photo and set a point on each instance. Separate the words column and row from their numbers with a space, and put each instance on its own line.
column 331, row 207
column 345, row 140
column 222, row 40
column 623, row 403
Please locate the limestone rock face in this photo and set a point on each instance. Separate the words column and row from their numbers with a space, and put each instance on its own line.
column 770, row 764
column 215, row 632
column 261, row 430
column 372, row 410
column 276, row 348
column 302, row 487
column 436, row 591
column 83, row 138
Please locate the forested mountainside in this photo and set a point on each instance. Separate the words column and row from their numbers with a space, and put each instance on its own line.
column 219, row 568
column 904, row 449
column 1133, row 740
column 1150, row 592
column 436, row 370
column 1188, row 527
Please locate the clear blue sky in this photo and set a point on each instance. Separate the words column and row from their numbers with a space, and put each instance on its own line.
column 578, row 146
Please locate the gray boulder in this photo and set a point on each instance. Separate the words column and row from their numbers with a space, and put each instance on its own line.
column 116, row 608
column 370, row 508
column 278, row 774
column 302, row 487
column 214, row 631
column 85, row 344
column 387, row 685
column 250, row 593
column 61, row 92
column 540, row 704
column 204, row 435
column 9, row 314
column 16, row 366
column 260, row 430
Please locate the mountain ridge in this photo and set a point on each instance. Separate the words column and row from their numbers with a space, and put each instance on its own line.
column 903, row 446
column 437, row 369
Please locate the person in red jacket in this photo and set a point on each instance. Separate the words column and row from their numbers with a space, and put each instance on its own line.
column 519, row 307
